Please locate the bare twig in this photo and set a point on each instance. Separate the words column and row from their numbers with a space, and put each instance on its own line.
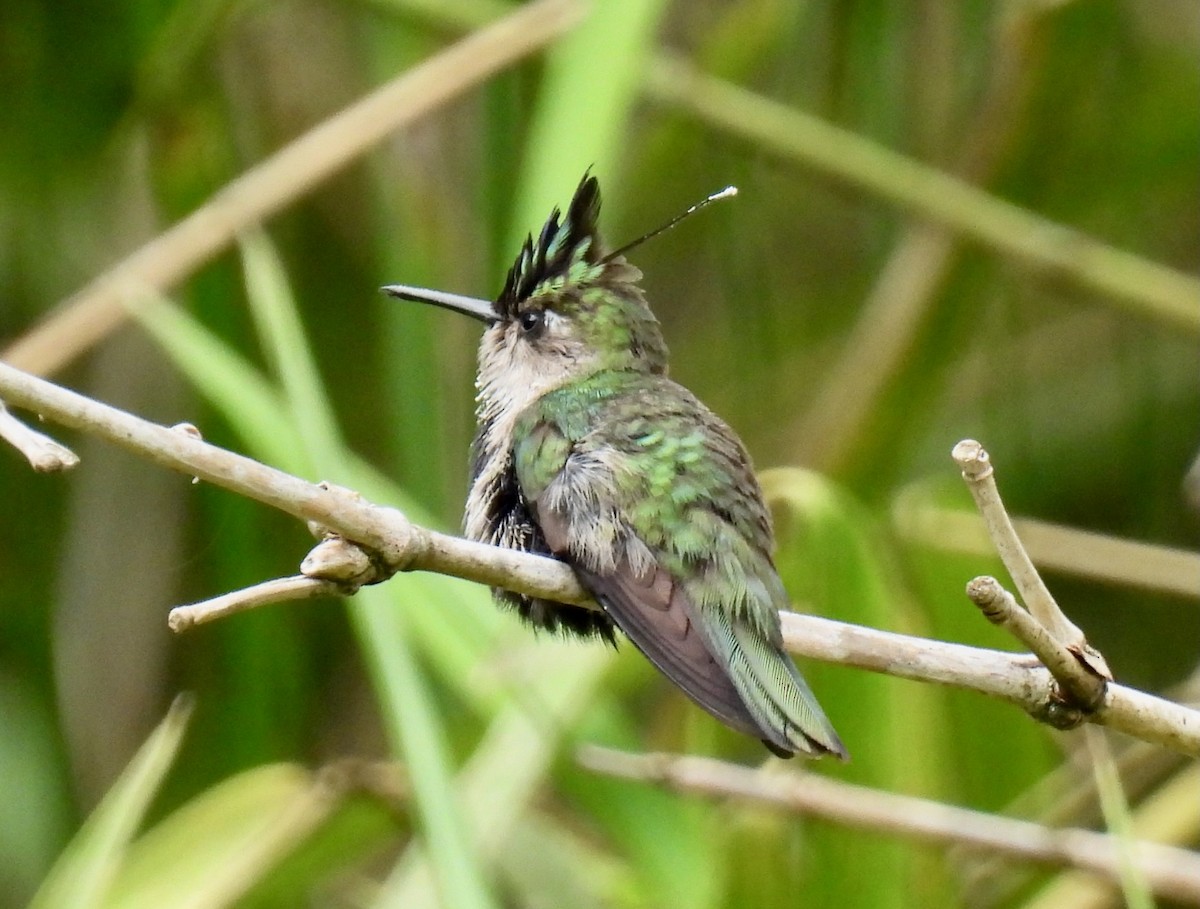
column 334, row 567
column 1059, row 643
column 1170, row 871
column 96, row 309
column 382, row 530
column 1083, row 688
column 976, row 467
column 395, row 544
column 279, row 590
column 43, row 453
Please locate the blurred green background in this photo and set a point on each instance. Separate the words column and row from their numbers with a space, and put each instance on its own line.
column 834, row 329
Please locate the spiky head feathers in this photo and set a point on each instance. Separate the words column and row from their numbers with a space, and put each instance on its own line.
column 566, row 296
column 567, row 250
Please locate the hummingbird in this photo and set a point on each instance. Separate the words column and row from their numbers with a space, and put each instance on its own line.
column 587, row 452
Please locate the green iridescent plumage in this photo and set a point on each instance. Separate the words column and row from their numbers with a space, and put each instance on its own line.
column 588, row 452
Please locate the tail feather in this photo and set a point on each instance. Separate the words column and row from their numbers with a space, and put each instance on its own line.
column 772, row 689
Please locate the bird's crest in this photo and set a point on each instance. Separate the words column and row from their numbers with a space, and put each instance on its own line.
column 568, row 249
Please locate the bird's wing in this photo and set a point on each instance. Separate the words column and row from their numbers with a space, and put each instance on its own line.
column 705, row 611
column 737, row 675
column 652, row 611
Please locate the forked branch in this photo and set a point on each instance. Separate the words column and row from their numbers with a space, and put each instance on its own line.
column 390, row 543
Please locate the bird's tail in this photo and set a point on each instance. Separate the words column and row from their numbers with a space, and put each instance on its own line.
column 774, row 692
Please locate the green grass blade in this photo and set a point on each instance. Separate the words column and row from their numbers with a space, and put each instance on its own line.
column 832, row 560
column 1115, row 808
column 286, row 348
column 406, row 700
column 221, row 843
column 415, row 730
column 513, row 758
column 591, row 81
column 83, row 874
column 254, row 408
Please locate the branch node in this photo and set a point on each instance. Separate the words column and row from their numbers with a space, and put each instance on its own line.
column 407, row 544
column 346, row 563
column 1081, row 687
column 192, row 432
column 1057, row 711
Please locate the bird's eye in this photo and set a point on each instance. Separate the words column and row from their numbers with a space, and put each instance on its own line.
column 531, row 320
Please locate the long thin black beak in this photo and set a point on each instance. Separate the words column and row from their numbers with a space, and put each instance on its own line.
column 468, row 306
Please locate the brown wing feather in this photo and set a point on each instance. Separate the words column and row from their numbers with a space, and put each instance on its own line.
column 653, row 612
column 662, row 630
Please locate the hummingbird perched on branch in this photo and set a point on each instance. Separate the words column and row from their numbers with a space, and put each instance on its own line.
column 587, row 452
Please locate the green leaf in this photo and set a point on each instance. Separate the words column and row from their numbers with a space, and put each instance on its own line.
column 223, row 842
column 83, row 875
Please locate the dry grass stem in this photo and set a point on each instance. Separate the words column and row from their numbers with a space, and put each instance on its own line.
column 906, row 289
column 96, row 309
column 1141, row 286
column 1170, row 871
column 1053, row 547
